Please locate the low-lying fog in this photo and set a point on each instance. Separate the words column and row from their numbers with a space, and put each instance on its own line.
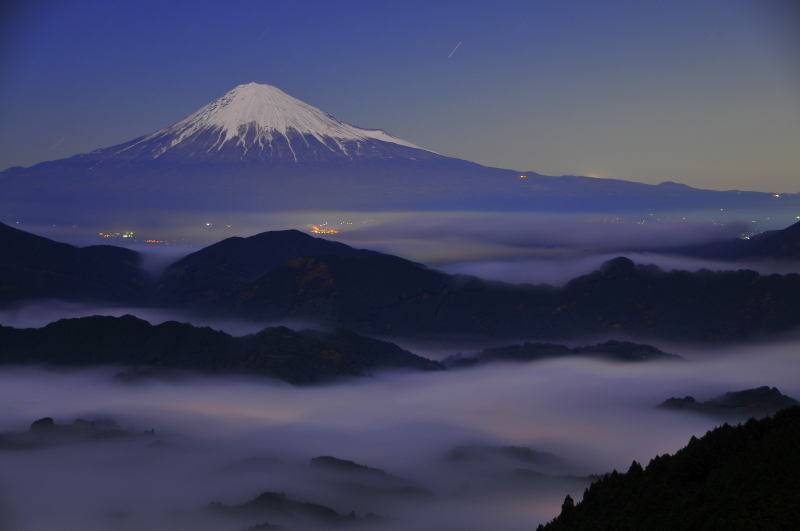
column 595, row 416
column 513, row 247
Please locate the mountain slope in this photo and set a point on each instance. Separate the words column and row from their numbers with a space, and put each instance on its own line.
column 734, row 477
column 32, row 267
column 783, row 244
column 619, row 351
column 374, row 293
column 756, row 402
column 388, row 295
column 219, row 268
column 260, row 123
column 769, row 245
column 303, row 357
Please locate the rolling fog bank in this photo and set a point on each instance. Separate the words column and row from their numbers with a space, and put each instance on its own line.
column 593, row 416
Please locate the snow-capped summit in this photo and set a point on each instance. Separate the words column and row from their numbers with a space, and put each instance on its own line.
column 261, row 122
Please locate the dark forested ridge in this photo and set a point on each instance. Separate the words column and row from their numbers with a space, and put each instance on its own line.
column 748, row 403
column 769, row 245
column 45, row 432
column 389, row 295
column 782, row 244
column 216, row 270
column 302, row 357
column 612, row 350
column 32, row 267
column 377, row 294
column 734, row 477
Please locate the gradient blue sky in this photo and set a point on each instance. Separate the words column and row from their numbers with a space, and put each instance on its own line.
column 704, row 93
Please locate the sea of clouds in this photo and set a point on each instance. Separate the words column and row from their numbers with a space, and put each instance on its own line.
column 596, row 416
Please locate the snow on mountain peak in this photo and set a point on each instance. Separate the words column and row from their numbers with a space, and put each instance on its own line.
column 252, row 115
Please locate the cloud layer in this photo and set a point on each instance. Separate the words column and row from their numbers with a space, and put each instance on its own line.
column 596, row 416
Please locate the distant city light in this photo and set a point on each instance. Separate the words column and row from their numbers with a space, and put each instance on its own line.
column 318, row 230
column 116, row 235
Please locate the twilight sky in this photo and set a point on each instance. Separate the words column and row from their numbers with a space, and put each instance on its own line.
column 704, row 93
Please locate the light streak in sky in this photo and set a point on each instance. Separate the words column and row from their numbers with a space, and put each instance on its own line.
column 57, row 143
column 712, row 34
column 454, row 50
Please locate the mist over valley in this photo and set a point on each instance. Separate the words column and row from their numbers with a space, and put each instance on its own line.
column 230, row 439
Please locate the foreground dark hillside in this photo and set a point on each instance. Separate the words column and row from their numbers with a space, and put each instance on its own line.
column 301, row 357
column 734, row 477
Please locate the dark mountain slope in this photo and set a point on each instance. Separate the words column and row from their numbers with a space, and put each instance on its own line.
column 783, row 244
column 756, row 402
column 277, row 507
column 219, row 268
column 623, row 351
column 382, row 294
column 742, row 477
column 32, row 267
column 302, row 357
column 388, row 295
column 770, row 245
column 728, row 249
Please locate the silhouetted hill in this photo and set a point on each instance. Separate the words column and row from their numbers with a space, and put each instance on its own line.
column 32, row 267
column 343, row 465
column 610, row 350
column 302, row 357
column 769, row 245
column 734, row 477
column 784, row 244
column 378, row 294
column 519, row 455
column 389, row 295
column 727, row 249
column 276, row 506
column 219, row 268
column 365, row 483
column 749, row 403
column 45, row 432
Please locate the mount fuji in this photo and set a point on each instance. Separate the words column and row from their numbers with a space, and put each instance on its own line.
column 258, row 149
column 262, row 124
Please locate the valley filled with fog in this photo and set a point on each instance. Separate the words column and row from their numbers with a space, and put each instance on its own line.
column 593, row 416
